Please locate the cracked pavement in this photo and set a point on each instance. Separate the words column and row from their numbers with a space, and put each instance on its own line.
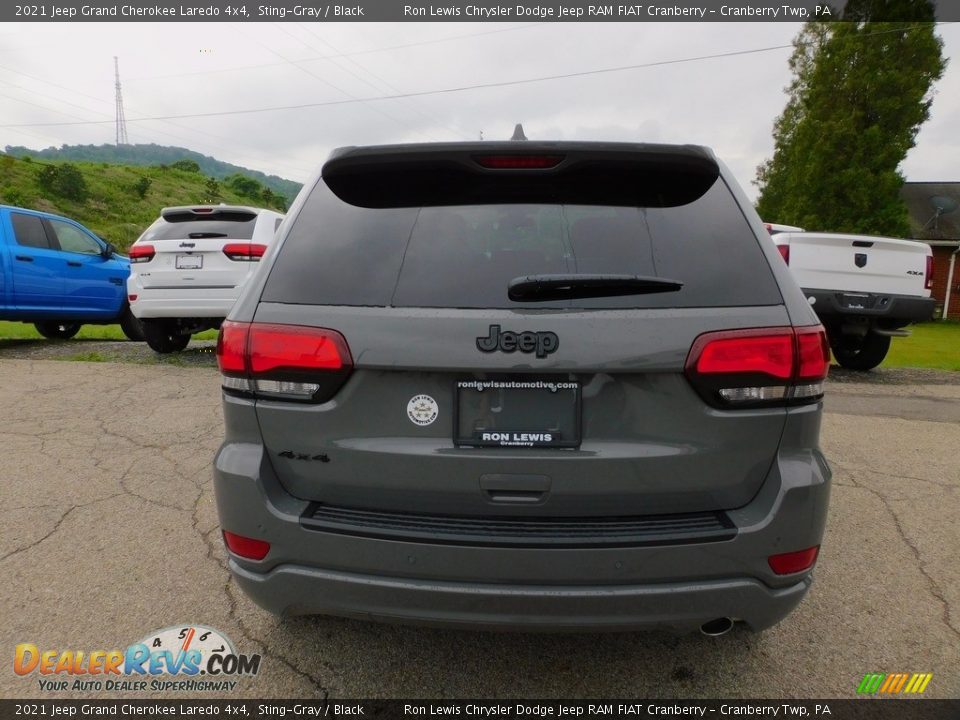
column 109, row 531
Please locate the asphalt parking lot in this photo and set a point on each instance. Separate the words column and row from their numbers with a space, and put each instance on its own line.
column 109, row 531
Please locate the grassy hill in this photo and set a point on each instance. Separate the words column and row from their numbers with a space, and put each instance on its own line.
column 152, row 154
column 111, row 205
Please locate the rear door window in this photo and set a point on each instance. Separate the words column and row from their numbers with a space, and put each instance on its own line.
column 28, row 231
column 466, row 255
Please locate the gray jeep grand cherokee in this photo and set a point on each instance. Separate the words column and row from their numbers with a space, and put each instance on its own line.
column 524, row 385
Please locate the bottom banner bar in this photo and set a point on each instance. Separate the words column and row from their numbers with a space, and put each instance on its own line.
column 866, row 709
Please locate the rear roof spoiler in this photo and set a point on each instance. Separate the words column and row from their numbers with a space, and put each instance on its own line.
column 589, row 173
column 201, row 211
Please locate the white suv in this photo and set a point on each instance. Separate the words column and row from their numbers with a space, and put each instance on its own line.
column 188, row 268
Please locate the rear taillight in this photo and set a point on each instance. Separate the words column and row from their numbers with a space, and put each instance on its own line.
column 518, row 162
column 761, row 366
column 289, row 362
column 249, row 252
column 794, row 562
column 928, row 276
column 784, row 253
column 246, row 547
column 141, row 253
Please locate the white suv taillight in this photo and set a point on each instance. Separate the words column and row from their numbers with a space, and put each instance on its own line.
column 141, row 253
column 290, row 362
column 244, row 252
column 759, row 366
column 928, row 275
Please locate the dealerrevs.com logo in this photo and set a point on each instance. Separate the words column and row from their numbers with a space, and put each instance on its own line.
column 191, row 658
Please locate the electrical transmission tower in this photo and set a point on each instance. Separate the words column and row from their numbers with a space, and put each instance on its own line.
column 121, row 118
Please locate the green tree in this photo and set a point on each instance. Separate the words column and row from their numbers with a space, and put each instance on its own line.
column 211, row 191
column 242, row 185
column 142, row 186
column 186, row 165
column 860, row 91
column 64, row 180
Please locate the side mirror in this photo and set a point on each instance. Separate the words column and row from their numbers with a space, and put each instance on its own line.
column 108, row 251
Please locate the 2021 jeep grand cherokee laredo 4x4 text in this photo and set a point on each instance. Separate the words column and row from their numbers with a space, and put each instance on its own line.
column 556, row 385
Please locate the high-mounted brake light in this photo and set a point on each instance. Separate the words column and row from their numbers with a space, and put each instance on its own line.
column 289, row 362
column 518, row 162
column 794, row 562
column 928, row 276
column 784, row 253
column 249, row 252
column 141, row 253
column 759, row 366
column 246, row 547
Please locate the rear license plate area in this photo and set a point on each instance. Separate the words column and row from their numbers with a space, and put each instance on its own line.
column 189, row 262
column 517, row 413
column 857, row 301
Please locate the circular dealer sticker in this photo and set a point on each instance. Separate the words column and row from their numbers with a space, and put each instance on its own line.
column 422, row 409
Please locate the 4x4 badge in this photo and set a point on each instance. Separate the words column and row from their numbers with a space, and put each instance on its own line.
column 542, row 343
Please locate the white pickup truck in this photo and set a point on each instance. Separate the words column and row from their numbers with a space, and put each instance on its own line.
column 864, row 289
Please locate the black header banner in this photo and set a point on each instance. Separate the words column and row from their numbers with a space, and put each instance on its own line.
column 441, row 10
column 859, row 709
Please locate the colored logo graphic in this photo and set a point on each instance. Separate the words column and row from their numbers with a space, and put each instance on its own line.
column 186, row 651
column 894, row 683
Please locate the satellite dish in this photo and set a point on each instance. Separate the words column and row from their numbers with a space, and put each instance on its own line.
column 944, row 205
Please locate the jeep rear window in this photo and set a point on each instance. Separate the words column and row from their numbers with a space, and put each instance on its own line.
column 464, row 256
column 239, row 227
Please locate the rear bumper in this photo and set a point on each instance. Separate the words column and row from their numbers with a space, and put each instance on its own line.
column 676, row 586
column 681, row 607
column 902, row 309
column 181, row 302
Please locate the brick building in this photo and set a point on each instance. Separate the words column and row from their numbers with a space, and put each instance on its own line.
column 935, row 218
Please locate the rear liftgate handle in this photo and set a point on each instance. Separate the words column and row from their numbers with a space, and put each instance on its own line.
column 515, row 489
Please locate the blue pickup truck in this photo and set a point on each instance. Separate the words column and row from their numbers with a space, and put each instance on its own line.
column 58, row 275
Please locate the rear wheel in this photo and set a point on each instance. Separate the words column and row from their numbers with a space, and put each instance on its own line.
column 860, row 353
column 164, row 336
column 56, row 330
column 130, row 325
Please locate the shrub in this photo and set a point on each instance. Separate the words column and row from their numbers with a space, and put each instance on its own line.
column 142, row 186
column 64, row 180
column 14, row 196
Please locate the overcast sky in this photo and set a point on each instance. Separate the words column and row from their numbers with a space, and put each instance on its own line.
column 64, row 72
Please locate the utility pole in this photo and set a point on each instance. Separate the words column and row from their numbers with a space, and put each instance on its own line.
column 121, row 118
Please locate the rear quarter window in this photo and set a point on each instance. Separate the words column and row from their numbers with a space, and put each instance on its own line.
column 464, row 256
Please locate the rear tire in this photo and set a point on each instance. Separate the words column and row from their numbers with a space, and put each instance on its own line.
column 163, row 336
column 130, row 325
column 862, row 354
column 57, row 331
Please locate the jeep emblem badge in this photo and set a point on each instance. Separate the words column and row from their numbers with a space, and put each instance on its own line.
column 541, row 343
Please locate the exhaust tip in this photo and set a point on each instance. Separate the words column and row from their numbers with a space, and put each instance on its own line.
column 717, row 627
